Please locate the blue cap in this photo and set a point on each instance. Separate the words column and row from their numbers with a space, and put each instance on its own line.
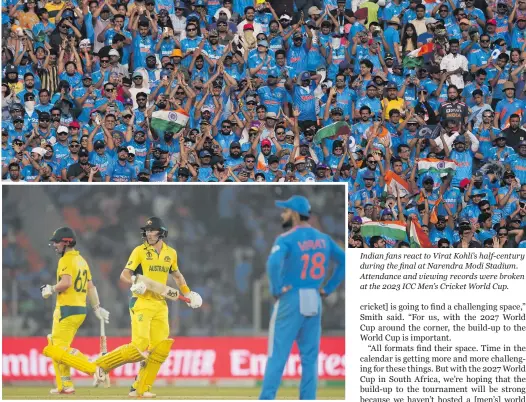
column 164, row 73
column 428, row 177
column 200, row 3
column 179, row 4
column 368, row 174
column 297, row 203
column 305, row 76
column 204, row 153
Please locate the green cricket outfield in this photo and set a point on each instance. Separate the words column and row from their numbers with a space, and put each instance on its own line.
column 209, row 392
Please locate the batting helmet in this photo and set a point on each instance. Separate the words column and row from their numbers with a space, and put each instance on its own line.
column 65, row 234
column 155, row 223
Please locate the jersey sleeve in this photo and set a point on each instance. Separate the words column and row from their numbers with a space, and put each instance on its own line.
column 90, row 278
column 174, row 267
column 275, row 265
column 337, row 255
column 64, row 268
column 134, row 261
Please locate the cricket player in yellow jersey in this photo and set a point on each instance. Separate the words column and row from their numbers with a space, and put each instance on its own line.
column 74, row 286
column 153, row 259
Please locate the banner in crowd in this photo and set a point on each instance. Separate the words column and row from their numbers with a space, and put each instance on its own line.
column 190, row 358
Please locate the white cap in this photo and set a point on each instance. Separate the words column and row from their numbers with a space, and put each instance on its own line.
column 62, row 129
column 285, row 17
column 114, row 52
column 131, row 150
column 85, row 42
column 39, row 150
column 206, row 107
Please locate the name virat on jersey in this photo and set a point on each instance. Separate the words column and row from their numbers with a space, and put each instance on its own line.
column 312, row 245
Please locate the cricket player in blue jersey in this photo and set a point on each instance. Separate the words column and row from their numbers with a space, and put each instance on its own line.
column 297, row 267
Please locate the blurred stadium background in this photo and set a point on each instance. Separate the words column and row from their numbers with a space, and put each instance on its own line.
column 222, row 234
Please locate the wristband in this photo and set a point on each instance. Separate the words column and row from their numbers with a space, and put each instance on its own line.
column 53, row 288
column 185, row 289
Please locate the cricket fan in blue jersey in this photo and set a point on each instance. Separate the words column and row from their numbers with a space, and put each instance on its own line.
column 297, row 267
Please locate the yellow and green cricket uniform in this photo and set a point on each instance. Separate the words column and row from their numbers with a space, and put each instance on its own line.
column 70, row 310
column 148, row 312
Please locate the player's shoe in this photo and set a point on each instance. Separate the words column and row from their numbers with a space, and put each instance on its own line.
column 147, row 394
column 63, row 391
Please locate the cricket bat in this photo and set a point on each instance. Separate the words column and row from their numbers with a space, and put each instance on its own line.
column 104, row 349
column 163, row 290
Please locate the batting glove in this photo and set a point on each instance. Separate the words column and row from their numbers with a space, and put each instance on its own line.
column 195, row 300
column 138, row 288
column 102, row 314
column 47, row 290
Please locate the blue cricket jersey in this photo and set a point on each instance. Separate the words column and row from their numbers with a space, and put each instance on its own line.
column 300, row 258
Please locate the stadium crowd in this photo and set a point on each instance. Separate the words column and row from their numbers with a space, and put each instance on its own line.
column 223, row 238
column 418, row 99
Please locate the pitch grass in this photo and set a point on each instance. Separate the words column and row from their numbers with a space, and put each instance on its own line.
column 210, row 392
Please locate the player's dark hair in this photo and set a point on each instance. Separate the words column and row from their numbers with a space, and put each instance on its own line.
column 304, row 218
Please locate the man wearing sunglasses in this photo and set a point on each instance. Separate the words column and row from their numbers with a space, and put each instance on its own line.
column 108, row 103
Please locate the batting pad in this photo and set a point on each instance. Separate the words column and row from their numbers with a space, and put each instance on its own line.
column 62, row 355
column 156, row 358
column 58, row 374
column 122, row 355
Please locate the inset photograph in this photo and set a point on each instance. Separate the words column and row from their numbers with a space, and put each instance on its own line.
column 175, row 292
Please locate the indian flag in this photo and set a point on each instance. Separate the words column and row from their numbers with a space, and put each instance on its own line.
column 393, row 182
column 433, row 218
column 332, row 131
column 169, row 120
column 436, row 165
column 427, row 48
column 392, row 229
column 417, row 236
